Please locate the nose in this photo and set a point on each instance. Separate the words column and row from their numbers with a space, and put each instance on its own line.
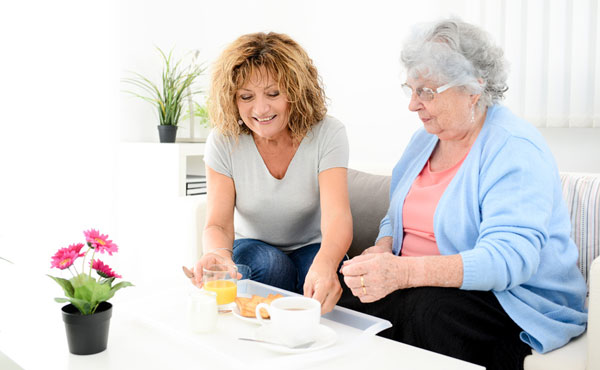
column 415, row 103
column 262, row 105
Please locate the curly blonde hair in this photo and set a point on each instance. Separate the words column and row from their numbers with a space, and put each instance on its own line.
column 283, row 60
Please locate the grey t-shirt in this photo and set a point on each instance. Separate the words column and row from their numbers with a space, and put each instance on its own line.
column 285, row 213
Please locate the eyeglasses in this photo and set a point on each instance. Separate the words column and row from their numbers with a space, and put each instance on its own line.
column 425, row 93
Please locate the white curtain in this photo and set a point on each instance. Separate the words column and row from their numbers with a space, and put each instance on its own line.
column 553, row 47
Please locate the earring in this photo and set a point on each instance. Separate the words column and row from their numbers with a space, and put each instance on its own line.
column 473, row 115
column 240, row 122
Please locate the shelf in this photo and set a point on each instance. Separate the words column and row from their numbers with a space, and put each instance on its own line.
column 167, row 164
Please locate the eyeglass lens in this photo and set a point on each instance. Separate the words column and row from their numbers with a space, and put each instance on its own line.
column 424, row 93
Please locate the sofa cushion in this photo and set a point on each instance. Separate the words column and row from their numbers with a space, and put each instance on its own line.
column 369, row 201
column 582, row 195
column 571, row 357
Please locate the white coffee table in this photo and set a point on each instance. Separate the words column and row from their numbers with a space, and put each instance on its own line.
column 32, row 335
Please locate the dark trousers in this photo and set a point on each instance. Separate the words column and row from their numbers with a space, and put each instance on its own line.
column 468, row 325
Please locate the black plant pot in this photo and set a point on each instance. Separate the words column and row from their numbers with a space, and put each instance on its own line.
column 167, row 133
column 87, row 334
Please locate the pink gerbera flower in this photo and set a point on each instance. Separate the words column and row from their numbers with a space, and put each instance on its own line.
column 100, row 242
column 65, row 257
column 104, row 270
column 76, row 247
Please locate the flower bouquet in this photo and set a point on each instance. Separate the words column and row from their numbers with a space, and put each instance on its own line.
column 82, row 290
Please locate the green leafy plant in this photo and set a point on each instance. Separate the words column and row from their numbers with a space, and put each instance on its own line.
column 176, row 85
column 200, row 112
column 82, row 290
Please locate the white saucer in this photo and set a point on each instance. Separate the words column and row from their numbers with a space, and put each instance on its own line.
column 325, row 337
column 236, row 312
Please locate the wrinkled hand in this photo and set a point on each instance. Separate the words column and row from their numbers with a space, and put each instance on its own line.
column 373, row 276
column 377, row 249
column 322, row 284
column 207, row 260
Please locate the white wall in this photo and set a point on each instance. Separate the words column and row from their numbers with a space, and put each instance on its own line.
column 63, row 112
column 354, row 44
column 58, row 138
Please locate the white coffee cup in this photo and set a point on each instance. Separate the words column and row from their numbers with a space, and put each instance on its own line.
column 293, row 319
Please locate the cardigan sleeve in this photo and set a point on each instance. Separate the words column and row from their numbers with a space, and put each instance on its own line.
column 516, row 196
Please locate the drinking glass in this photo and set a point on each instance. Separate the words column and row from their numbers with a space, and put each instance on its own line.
column 244, row 273
column 222, row 279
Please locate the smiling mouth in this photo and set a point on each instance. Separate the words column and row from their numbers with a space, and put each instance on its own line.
column 266, row 119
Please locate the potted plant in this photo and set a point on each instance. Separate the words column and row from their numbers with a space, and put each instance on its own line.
column 168, row 98
column 87, row 316
column 199, row 117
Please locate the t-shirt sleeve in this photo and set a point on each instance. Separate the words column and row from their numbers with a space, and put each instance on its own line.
column 217, row 153
column 333, row 145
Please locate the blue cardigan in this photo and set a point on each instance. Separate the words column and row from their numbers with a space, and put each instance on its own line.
column 504, row 213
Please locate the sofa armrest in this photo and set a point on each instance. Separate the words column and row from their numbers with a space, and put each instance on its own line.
column 593, row 328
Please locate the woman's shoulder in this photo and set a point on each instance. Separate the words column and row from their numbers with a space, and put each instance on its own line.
column 328, row 124
column 217, row 138
column 326, row 128
column 502, row 119
column 509, row 138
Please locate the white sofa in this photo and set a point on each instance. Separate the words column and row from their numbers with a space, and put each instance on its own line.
column 369, row 202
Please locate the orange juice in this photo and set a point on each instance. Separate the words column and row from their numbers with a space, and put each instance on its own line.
column 226, row 290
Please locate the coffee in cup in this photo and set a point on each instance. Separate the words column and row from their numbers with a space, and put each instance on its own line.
column 293, row 320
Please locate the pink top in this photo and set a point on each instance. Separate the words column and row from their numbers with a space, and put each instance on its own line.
column 419, row 209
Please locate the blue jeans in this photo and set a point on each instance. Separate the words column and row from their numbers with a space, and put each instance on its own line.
column 271, row 266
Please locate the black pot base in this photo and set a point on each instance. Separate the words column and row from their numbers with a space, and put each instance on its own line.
column 167, row 133
column 87, row 334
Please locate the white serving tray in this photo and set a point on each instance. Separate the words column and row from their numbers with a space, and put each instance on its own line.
column 170, row 320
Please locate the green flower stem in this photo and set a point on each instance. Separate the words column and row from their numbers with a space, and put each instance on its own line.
column 93, row 254
column 83, row 260
column 74, row 268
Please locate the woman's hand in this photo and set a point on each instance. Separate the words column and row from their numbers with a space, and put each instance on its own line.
column 373, row 276
column 207, row 259
column 378, row 249
column 383, row 245
column 322, row 284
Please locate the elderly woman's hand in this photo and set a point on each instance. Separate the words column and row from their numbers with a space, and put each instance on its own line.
column 322, row 284
column 375, row 275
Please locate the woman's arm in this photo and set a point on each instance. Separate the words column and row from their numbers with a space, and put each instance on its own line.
column 383, row 273
column 383, row 245
column 218, row 235
column 336, row 228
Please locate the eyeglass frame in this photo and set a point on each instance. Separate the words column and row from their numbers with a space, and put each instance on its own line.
column 409, row 91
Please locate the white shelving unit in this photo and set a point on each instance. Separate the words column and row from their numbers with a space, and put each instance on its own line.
column 167, row 164
column 158, row 226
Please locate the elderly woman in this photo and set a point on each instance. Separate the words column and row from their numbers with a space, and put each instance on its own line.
column 477, row 226
column 277, row 163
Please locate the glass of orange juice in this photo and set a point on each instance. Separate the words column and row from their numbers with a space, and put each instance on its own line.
column 222, row 279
